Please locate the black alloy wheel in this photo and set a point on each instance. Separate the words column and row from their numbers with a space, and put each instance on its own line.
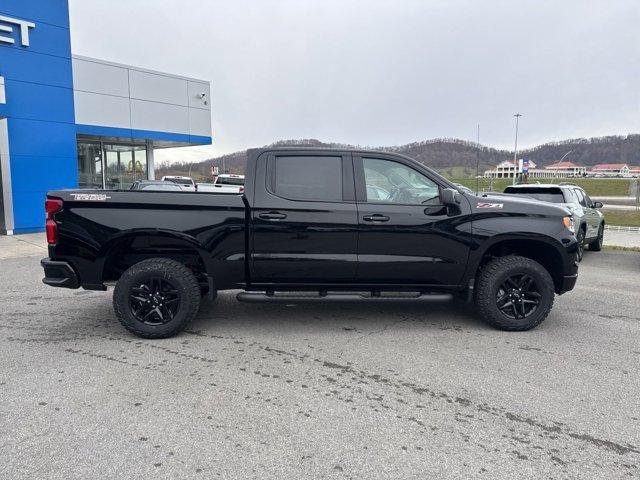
column 155, row 301
column 518, row 296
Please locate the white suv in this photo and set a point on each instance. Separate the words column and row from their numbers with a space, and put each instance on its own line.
column 588, row 220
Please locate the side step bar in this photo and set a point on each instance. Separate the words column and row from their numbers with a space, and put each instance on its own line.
column 279, row 297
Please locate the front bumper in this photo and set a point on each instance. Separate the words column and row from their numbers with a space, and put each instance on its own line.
column 568, row 282
column 59, row 274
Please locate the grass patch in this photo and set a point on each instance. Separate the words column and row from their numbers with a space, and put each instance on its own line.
column 595, row 187
column 621, row 249
column 623, row 218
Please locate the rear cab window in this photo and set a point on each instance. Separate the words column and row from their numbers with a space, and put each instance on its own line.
column 230, row 181
column 552, row 195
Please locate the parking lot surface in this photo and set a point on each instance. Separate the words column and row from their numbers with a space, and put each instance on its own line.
column 356, row 390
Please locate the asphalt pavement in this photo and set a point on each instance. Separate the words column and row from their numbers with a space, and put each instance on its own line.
column 364, row 391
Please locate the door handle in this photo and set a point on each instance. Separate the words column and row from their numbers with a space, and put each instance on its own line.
column 273, row 216
column 376, row 217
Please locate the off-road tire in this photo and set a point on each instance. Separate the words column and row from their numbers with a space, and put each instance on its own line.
column 493, row 274
column 580, row 237
column 175, row 272
column 596, row 245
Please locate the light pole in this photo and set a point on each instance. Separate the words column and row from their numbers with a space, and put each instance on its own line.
column 564, row 156
column 515, row 150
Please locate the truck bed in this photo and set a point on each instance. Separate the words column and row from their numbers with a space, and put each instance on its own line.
column 96, row 224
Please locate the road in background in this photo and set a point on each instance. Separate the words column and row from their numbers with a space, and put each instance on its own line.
column 370, row 390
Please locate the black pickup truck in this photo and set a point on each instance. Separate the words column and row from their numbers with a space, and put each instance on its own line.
column 321, row 224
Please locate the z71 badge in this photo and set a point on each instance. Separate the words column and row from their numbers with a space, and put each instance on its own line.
column 91, row 197
column 489, row 205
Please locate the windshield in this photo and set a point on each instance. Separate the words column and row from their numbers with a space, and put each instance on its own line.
column 230, row 181
column 552, row 195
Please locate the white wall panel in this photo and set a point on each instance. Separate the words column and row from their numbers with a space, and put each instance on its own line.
column 104, row 110
column 121, row 96
column 158, row 88
column 161, row 117
column 97, row 77
column 199, row 122
column 196, row 89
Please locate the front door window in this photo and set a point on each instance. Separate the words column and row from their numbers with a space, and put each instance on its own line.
column 392, row 182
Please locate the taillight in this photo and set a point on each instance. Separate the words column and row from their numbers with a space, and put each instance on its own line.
column 241, row 189
column 51, row 206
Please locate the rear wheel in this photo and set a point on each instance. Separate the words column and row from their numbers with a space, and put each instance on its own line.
column 514, row 293
column 596, row 245
column 156, row 298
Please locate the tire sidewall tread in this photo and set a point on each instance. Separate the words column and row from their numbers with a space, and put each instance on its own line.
column 488, row 280
column 172, row 270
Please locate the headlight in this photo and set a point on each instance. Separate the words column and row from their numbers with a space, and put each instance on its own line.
column 568, row 223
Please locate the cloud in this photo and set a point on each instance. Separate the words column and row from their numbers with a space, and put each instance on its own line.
column 376, row 72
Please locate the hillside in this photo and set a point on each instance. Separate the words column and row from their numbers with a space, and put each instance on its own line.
column 457, row 158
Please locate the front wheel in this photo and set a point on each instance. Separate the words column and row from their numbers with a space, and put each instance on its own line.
column 156, row 298
column 596, row 245
column 580, row 238
column 514, row 293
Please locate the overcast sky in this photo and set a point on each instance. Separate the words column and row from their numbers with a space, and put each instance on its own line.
column 373, row 72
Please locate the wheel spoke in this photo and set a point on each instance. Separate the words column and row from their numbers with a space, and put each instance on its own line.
column 155, row 301
column 512, row 283
column 526, row 282
column 506, row 305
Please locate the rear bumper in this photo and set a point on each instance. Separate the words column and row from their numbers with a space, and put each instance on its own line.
column 59, row 274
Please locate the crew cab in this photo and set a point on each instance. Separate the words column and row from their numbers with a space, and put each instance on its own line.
column 312, row 224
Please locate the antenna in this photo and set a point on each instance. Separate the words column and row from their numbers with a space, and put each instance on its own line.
column 478, row 164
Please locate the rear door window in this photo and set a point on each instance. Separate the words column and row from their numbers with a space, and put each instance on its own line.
column 308, row 178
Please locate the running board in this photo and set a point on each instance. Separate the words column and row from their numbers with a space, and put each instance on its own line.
column 279, row 297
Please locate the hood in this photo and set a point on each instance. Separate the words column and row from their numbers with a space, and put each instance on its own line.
column 515, row 204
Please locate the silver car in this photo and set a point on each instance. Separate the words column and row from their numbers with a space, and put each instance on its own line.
column 588, row 220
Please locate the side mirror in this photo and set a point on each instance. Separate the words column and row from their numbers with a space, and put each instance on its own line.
column 450, row 196
column 597, row 205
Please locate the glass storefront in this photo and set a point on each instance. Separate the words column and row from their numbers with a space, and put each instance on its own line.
column 111, row 165
column 89, row 165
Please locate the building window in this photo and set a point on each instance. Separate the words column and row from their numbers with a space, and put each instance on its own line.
column 111, row 165
column 89, row 165
column 124, row 164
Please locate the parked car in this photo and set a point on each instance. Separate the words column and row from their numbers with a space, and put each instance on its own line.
column 225, row 183
column 156, row 185
column 307, row 228
column 186, row 183
column 588, row 220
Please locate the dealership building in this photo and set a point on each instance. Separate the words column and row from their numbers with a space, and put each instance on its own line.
column 68, row 121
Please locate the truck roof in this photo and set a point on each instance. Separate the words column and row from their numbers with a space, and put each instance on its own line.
column 254, row 153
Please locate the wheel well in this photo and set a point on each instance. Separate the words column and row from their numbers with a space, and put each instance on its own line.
column 131, row 250
column 541, row 252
